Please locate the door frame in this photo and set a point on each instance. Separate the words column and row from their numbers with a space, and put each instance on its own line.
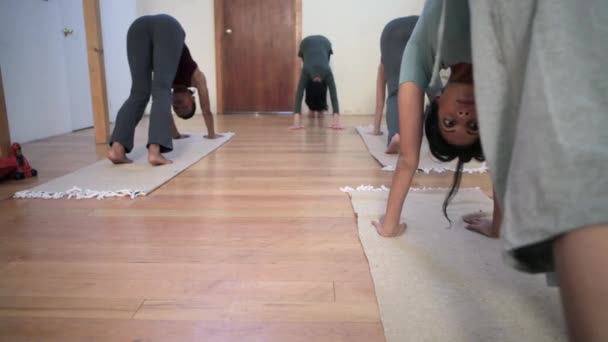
column 5, row 132
column 97, row 72
column 218, row 9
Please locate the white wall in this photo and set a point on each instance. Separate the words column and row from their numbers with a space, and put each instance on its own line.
column 46, row 75
column 116, row 17
column 353, row 26
column 33, row 64
column 196, row 17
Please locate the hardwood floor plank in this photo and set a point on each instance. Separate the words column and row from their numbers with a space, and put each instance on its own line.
column 16, row 306
column 322, row 271
column 355, row 291
column 262, row 312
column 215, row 290
column 115, row 330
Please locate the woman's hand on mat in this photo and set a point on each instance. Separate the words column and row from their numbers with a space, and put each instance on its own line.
column 181, row 136
column 481, row 224
column 388, row 231
column 375, row 132
column 213, row 136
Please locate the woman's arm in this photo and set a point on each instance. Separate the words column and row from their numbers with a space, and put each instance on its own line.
column 297, row 117
column 300, row 93
column 411, row 101
column 200, row 83
column 333, row 94
column 380, row 98
column 175, row 132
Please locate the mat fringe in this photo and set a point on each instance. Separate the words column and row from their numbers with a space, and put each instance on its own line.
column 382, row 188
column 78, row 193
column 482, row 169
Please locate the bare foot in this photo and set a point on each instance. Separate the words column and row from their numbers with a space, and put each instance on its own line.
column 155, row 157
column 393, row 146
column 117, row 154
column 295, row 127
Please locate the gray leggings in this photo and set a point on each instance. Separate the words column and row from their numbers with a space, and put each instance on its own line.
column 392, row 116
column 154, row 44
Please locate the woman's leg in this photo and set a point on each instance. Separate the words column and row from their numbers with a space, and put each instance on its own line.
column 140, row 64
column 168, row 42
column 392, row 123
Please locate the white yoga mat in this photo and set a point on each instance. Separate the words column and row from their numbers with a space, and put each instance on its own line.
column 104, row 179
column 440, row 284
column 376, row 144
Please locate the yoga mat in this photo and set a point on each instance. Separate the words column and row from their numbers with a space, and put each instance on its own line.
column 376, row 144
column 440, row 284
column 104, row 179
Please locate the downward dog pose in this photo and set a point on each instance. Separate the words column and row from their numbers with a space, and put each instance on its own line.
column 155, row 45
column 316, row 77
column 450, row 122
column 392, row 43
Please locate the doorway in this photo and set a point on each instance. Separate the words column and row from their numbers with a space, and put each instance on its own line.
column 256, row 54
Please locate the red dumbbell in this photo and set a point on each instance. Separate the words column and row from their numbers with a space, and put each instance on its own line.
column 24, row 169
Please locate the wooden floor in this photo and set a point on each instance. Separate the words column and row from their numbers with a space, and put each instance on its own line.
column 253, row 243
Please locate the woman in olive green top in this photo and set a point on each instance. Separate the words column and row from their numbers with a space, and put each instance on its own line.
column 450, row 122
column 315, row 78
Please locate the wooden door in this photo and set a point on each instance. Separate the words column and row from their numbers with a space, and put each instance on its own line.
column 257, row 40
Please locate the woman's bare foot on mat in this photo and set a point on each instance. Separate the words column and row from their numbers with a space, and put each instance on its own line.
column 155, row 157
column 393, row 146
column 117, row 154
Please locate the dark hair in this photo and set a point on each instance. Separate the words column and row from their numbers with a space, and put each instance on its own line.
column 191, row 113
column 316, row 96
column 445, row 152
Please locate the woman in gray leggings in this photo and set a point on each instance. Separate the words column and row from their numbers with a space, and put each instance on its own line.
column 392, row 43
column 159, row 61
